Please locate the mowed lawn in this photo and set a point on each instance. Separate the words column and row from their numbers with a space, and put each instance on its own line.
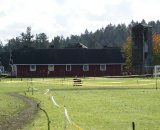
column 9, row 106
column 100, row 104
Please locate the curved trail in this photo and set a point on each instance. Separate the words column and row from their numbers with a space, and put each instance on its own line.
column 21, row 118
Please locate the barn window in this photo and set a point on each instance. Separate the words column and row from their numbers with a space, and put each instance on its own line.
column 102, row 67
column 32, row 67
column 68, row 67
column 85, row 67
column 50, row 67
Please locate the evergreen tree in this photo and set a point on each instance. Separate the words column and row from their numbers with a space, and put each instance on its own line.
column 27, row 38
column 13, row 44
column 41, row 41
column 1, row 46
column 109, row 36
column 57, row 42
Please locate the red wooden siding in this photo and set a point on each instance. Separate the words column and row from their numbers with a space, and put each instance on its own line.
column 60, row 71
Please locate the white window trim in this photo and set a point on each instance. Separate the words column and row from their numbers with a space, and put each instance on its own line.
column 33, row 69
column 50, row 67
column 70, row 68
column 101, row 68
column 87, row 67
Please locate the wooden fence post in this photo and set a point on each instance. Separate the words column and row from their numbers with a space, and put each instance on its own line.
column 156, row 83
column 133, row 125
column 48, row 120
column 32, row 90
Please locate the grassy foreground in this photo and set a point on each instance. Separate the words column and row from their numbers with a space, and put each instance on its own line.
column 9, row 106
column 100, row 104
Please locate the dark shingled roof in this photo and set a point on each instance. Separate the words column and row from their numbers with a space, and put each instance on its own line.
column 67, row 56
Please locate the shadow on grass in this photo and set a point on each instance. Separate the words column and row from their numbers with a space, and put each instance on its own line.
column 99, row 88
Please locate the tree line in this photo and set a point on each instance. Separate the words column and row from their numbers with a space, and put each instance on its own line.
column 109, row 36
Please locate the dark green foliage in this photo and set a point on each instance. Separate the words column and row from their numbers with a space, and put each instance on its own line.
column 57, row 42
column 155, row 26
column 109, row 36
column 27, row 38
column 127, row 50
column 13, row 44
column 156, row 60
column 41, row 41
column 1, row 46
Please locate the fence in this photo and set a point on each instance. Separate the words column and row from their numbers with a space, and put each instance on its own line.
column 91, row 83
column 77, row 82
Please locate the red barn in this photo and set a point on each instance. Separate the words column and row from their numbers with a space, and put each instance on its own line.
column 67, row 62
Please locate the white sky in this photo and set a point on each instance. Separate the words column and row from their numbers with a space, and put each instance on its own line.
column 66, row 17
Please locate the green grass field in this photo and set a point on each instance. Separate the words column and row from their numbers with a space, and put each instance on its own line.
column 100, row 104
column 9, row 106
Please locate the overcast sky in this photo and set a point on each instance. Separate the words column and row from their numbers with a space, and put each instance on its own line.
column 65, row 17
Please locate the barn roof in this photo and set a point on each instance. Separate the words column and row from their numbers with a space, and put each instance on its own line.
column 67, row 56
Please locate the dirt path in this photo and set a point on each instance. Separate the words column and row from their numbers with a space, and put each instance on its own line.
column 25, row 116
